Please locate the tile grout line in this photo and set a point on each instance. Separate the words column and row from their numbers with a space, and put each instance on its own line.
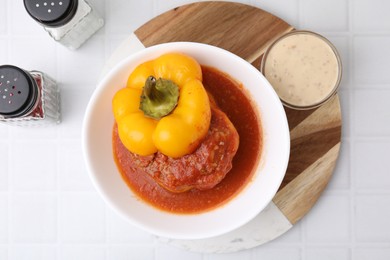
column 299, row 13
column 58, row 219
column 352, row 133
column 383, row 33
column 154, row 8
column 58, row 139
column 58, row 193
column 9, row 141
column 9, row 199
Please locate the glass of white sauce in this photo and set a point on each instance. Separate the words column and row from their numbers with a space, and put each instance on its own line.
column 304, row 68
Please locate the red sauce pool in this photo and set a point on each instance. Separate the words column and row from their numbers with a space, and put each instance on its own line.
column 232, row 99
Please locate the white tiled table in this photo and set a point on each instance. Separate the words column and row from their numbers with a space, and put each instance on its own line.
column 49, row 209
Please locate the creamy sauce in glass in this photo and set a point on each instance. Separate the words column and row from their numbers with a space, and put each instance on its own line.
column 303, row 68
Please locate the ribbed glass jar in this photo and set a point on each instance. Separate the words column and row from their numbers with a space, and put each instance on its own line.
column 28, row 98
column 69, row 22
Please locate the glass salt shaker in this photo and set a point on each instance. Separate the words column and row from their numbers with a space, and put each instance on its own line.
column 28, row 98
column 70, row 22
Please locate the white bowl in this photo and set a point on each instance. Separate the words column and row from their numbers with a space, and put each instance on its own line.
column 97, row 149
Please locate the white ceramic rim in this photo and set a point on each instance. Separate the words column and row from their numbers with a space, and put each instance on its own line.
column 272, row 166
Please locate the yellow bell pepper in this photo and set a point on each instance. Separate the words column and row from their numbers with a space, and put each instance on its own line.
column 164, row 107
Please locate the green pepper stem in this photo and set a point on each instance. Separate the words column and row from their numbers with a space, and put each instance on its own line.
column 159, row 97
column 152, row 92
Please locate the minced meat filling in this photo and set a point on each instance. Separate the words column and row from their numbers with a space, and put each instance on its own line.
column 203, row 169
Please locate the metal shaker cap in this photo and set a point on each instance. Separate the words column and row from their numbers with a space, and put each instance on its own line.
column 51, row 13
column 18, row 92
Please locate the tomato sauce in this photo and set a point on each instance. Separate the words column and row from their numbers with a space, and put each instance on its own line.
column 234, row 101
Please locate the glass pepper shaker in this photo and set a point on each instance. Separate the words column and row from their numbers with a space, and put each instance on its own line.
column 70, row 22
column 28, row 98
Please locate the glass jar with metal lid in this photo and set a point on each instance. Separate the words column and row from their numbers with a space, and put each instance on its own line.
column 28, row 98
column 70, row 22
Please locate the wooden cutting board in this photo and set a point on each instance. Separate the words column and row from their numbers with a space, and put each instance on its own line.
column 315, row 134
column 247, row 31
